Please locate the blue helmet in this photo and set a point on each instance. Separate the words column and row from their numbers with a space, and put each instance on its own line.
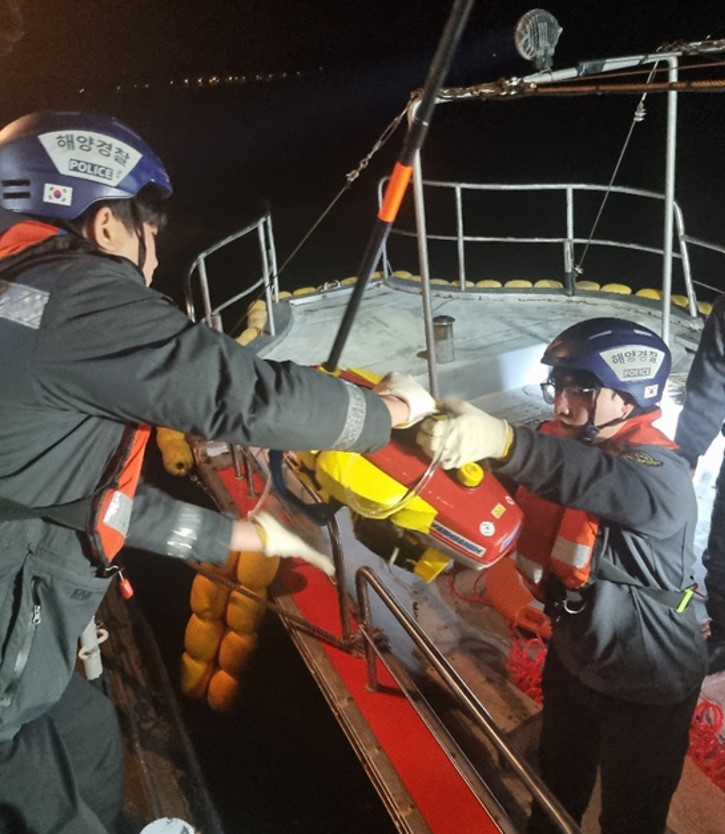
column 56, row 165
column 621, row 354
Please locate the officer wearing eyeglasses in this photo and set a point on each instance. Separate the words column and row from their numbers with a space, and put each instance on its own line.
column 607, row 545
column 582, row 407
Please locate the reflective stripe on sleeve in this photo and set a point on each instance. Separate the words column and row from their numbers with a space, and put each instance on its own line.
column 22, row 305
column 185, row 534
column 356, row 411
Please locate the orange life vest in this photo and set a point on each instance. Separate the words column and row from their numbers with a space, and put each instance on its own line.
column 23, row 235
column 112, row 504
column 559, row 540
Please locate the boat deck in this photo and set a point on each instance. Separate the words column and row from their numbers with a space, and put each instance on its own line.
column 498, row 335
column 498, row 340
column 455, row 614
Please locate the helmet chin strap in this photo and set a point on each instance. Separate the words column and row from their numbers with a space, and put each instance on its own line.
column 592, row 429
column 140, row 234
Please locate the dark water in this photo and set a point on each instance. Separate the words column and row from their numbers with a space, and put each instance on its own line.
column 277, row 763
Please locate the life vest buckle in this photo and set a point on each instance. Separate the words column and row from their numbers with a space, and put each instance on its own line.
column 573, row 605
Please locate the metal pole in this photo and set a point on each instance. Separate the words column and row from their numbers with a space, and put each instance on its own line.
column 402, row 171
column 424, row 266
column 669, row 202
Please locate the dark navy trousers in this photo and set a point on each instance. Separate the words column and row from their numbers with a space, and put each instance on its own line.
column 63, row 772
column 639, row 750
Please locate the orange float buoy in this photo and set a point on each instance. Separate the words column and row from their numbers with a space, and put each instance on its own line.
column 242, row 613
column 223, row 691
column 208, row 598
column 175, row 451
column 235, row 651
column 202, row 637
column 255, row 570
column 195, row 676
column 221, row 633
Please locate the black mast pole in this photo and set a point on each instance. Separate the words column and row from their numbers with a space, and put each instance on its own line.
column 402, row 170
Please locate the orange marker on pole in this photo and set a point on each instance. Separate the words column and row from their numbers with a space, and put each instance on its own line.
column 402, row 171
column 395, row 192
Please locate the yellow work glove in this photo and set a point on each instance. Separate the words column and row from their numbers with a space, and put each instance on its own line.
column 404, row 387
column 463, row 433
column 277, row 540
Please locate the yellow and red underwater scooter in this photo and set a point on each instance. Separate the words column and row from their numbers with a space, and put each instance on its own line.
column 406, row 508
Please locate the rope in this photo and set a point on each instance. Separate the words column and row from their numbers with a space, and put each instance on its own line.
column 587, row 84
column 525, row 663
column 350, row 177
column 706, row 746
column 638, row 117
column 298, row 622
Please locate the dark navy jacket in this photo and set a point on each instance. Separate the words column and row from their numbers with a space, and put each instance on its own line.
column 704, row 410
column 86, row 349
column 625, row 642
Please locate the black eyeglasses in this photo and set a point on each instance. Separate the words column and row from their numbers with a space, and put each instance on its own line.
column 579, row 394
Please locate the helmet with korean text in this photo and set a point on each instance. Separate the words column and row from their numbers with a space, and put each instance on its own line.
column 622, row 355
column 57, row 164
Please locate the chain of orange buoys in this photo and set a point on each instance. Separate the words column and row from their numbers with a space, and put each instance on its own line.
column 300, row 622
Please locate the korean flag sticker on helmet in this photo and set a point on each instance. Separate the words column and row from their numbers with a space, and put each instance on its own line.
column 89, row 156
column 633, row 363
column 59, row 195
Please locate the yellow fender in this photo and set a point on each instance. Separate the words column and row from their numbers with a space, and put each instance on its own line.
column 175, row 451
column 621, row 289
column 256, row 321
column 221, row 634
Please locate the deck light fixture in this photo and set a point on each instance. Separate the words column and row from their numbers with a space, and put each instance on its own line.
column 536, row 36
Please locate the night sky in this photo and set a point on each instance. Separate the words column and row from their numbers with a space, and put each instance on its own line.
column 52, row 49
column 290, row 144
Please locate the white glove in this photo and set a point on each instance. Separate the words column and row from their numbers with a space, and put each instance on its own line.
column 404, row 387
column 277, row 540
column 463, row 435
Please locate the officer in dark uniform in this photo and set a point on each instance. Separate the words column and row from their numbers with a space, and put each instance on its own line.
column 91, row 358
column 607, row 543
column 700, row 422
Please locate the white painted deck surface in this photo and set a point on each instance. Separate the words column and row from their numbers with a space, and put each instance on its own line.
column 498, row 335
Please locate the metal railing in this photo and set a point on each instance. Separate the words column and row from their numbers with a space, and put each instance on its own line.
column 366, row 579
column 198, row 279
column 568, row 240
